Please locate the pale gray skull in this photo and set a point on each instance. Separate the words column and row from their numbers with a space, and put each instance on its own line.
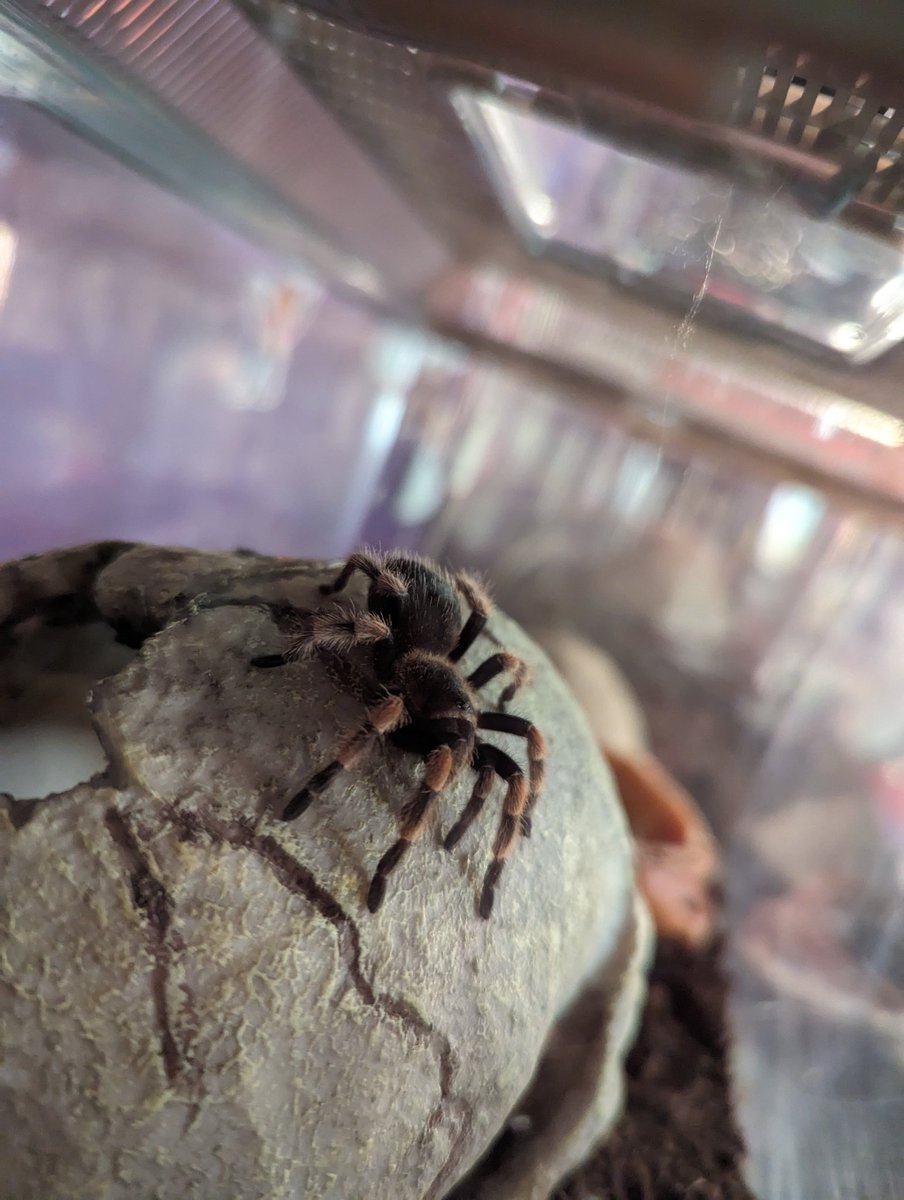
column 197, row 1003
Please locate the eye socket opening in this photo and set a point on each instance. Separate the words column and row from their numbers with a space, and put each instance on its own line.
column 47, row 740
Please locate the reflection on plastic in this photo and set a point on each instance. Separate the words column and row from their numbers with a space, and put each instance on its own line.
column 165, row 381
column 568, row 191
column 762, row 624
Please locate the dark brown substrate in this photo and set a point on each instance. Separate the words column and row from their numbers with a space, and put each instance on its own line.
column 678, row 1139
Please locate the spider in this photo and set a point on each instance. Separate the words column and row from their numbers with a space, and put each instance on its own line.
column 425, row 705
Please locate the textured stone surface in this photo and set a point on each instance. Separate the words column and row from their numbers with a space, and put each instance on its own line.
column 196, row 1002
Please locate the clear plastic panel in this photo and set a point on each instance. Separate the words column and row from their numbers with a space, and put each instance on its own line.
column 752, row 251
column 164, row 380
column 762, row 623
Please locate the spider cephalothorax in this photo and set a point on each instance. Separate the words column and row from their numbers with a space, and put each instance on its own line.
column 422, row 702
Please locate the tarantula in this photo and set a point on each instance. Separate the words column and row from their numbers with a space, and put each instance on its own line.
column 425, row 705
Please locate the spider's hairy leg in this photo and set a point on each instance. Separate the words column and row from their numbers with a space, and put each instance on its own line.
column 536, row 754
column 482, row 763
column 509, row 823
column 382, row 718
column 481, row 606
column 438, row 768
column 372, row 565
column 495, row 665
column 341, row 629
column 337, row 628
column 357, row 562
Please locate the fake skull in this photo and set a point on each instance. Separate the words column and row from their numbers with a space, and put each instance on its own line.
column 196, row 1001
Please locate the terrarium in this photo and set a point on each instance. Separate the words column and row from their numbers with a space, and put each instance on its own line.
column 601, row 304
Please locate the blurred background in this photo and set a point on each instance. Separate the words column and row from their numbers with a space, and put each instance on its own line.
column 606, row 301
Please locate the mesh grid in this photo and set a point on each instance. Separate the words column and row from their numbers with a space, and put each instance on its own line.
column 390, row 94
column 286, row 170
column 392, row 97
column 795, row 100
column 206, row 60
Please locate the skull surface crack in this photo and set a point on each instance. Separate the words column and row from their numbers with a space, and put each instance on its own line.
column 151, row 898
column 298, row 879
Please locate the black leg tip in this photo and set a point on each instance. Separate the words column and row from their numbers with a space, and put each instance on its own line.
column 488, row 895
column 268, row 660
column 452, row 838
column 297, row 805
column 527, row 826
column 376, row 893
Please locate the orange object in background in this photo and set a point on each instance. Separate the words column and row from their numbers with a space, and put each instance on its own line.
column 677, row 859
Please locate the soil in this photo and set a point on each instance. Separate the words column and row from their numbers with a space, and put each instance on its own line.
column 678, row 1139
